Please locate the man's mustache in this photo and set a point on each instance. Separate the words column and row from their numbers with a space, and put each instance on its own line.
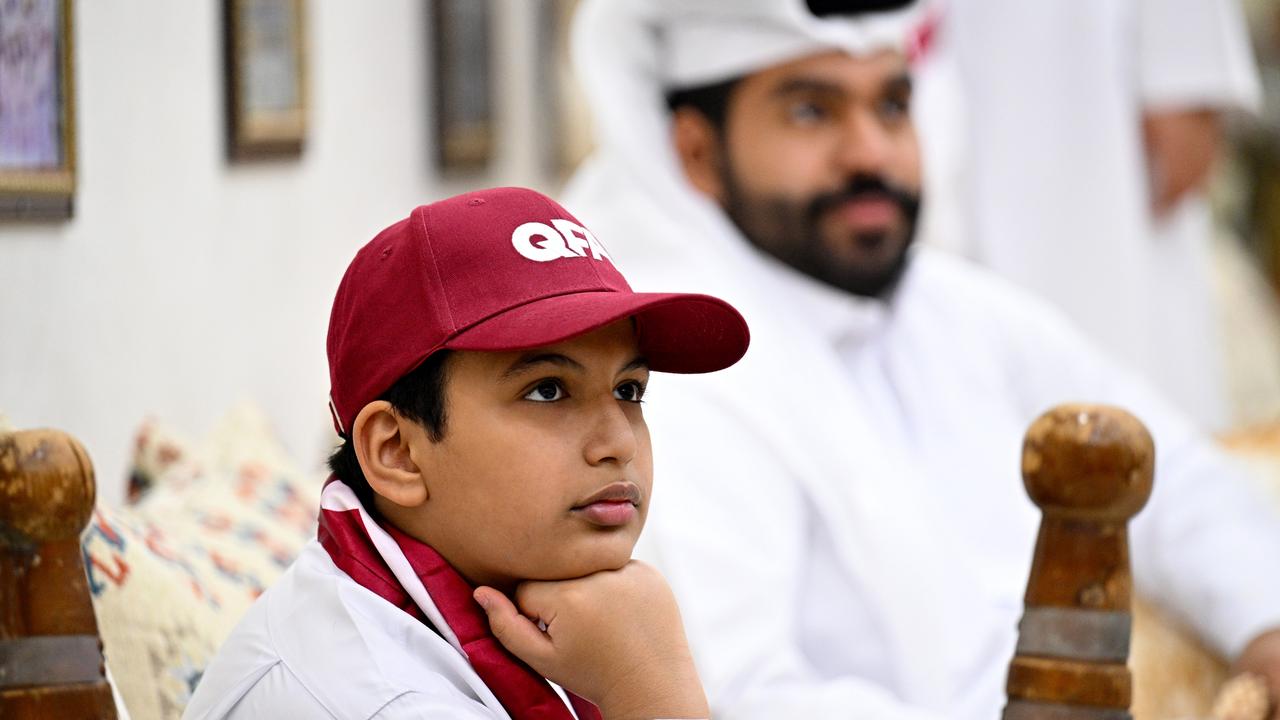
column 865, row 186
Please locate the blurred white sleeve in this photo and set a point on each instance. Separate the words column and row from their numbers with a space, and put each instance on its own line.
column 1194, row 53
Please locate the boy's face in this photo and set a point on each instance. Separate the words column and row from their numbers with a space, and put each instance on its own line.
column 545, row 468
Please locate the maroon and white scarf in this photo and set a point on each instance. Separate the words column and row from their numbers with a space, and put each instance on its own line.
column 412, row 576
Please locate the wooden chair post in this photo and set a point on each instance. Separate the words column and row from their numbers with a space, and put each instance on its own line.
column 1089, row 469
column 51, row 663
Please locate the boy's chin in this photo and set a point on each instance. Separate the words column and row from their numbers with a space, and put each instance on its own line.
column 582, row 564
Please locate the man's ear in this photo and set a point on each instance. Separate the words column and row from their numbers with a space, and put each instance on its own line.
column 698, row 146
column 382, row 441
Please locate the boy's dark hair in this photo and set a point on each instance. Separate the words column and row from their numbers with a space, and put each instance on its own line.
column 710, row 100
column 418, row 396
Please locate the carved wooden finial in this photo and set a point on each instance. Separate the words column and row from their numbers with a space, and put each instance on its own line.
column 46, row 481
column 1089, row 469
column 50, row 656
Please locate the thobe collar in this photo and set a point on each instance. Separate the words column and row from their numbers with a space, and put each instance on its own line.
column 837, row 316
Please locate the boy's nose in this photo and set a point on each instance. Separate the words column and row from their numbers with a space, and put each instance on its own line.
column 612, row 438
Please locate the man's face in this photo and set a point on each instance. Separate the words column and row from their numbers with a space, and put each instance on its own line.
column 819, row 167
column 545, row 469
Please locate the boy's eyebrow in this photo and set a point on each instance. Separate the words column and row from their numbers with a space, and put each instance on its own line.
column 525, row 362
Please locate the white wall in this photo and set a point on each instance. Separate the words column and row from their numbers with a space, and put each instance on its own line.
column 184, row 283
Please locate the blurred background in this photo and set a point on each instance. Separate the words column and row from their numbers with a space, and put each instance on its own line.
column 190, row 275
column 183, row 184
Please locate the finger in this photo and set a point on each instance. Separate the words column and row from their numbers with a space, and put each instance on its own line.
column 516, row 632
column 544, row 599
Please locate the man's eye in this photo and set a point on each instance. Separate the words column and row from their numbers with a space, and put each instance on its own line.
column 630, row 391
column 546, row 391
column 894, row 109
column 806, row 113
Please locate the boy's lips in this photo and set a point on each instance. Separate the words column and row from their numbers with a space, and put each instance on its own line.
column 612, row 505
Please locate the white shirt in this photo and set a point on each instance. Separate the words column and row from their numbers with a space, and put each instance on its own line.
column 841, row 514
column 319, row 645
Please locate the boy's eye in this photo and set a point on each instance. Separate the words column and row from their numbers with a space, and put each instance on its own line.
column 546, row 391
column 630, row 391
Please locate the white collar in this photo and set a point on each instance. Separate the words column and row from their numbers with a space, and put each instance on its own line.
column 837, row 316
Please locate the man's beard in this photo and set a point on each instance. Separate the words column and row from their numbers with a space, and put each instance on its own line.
column 869, row 264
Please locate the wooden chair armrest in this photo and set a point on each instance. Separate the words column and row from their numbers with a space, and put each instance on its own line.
column 51, row 661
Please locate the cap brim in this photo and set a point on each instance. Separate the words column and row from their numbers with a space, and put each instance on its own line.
column 677, row 332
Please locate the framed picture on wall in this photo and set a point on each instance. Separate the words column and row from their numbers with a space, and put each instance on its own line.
column 265, row 78
column 37, row 110
column 564, row 120
column 463, row 83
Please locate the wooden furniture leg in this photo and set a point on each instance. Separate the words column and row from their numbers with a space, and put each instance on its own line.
column 1089, row 469
column 51, row 663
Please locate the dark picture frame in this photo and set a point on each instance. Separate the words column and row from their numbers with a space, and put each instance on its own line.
column 463, row 85
column 37, row 110
column 266, row 78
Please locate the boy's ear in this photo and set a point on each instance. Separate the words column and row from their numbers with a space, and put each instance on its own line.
column 698, row 147
column 382, row 442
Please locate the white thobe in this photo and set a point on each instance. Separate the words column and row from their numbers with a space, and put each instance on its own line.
column 841, row 514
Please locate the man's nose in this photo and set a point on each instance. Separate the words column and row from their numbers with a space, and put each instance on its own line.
column 865, row 145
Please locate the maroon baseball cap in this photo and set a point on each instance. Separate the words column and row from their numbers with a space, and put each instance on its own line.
column 495, row 270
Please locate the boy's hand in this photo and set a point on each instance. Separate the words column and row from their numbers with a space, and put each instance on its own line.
column 613, row 637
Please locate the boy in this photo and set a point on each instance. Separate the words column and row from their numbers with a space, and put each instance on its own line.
column 487, row 363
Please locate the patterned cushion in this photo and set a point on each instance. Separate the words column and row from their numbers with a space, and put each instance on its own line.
column 209, row 530
column 161, row 455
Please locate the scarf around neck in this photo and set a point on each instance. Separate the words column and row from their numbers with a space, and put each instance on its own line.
column 415, row 578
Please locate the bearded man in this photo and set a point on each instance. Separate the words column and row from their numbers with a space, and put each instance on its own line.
column 842, row 517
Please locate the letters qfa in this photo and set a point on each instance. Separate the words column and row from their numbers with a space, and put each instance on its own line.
column 543, row 243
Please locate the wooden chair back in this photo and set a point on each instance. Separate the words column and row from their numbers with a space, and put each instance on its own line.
column 1089, row 469
column 51, row 663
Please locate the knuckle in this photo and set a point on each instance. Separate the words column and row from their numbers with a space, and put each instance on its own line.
column 644, row 569
column 526, row 595
column 501, row 629
column 574, row 597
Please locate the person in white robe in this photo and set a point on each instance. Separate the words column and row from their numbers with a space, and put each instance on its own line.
column 841, row 514
column 1087, row 132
